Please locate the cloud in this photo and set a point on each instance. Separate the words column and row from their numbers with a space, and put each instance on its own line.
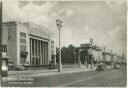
column 85, row 11
column 69, row 13
column 66, row 36
column 86, row 28
column 119, row 7
column 113, row 39
column 30, row 12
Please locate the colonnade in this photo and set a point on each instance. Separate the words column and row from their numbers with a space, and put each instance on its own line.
column 38, row 52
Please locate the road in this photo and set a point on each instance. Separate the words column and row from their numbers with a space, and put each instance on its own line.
column 106, row 78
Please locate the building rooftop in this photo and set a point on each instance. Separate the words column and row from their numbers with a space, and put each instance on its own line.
column 88, row 45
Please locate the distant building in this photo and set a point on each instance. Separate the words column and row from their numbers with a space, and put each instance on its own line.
column 115, row 58
column 28, row 43
column 107, row 56
column 96, row 51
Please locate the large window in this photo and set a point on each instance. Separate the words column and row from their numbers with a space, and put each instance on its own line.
column 4, row 48
column 23, row 41
column 22, row 34
column 22, row 48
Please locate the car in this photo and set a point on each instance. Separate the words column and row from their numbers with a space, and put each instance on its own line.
column 20, row 68
column 13, row 67
column 52, row 65
column 116, row 66
column 100, row 67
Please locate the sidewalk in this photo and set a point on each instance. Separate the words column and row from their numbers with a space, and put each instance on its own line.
column 46, row 72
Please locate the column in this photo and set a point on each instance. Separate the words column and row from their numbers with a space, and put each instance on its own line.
column 44, row 53
column 31, row 52
column 48, row 54
column 40, row 54
column 37, row 59
column 34, row 52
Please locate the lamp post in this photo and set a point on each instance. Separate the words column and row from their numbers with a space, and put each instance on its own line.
column 75, row 57
column 91, row 41
column 59, row 25
column 111, row 59
column 99, row 53
column 123, row 59
column 104, row 56
column 79, row 61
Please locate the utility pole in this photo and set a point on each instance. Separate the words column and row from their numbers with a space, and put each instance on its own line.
column 118, row 58
column 79, row 61
column 104, row 55
column 99, row 54
column 111, row 59
column 59, row 25
column 91, row 41
column 123, row 59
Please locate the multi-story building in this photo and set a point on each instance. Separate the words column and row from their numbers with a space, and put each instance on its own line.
column 115, row 58
column 94, row 50
column 28, row 43
column 107, row 56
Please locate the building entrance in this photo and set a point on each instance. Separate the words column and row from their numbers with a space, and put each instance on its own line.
column 38, row 53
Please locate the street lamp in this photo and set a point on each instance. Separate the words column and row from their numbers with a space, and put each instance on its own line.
column 111, row 59
column 91, row 41
column 59, row 25
column 79, row 61
column 99, row 54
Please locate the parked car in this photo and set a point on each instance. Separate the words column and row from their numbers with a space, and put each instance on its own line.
column 116, row 66
column 20, row 68
column 12, row 66
column 53, row 65
column 100, row 67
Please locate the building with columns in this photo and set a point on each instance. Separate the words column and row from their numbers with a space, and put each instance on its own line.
column 28, row 43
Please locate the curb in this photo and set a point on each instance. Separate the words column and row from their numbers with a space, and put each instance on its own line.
column 65, row 71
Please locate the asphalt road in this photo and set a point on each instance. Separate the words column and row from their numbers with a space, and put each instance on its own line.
column 106, row 78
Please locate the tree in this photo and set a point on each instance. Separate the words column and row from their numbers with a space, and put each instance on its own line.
column 84, row 55
column 71, row 53
column 64, row 56
column 57, row 54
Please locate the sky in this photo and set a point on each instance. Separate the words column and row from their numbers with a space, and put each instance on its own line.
column 103, row 21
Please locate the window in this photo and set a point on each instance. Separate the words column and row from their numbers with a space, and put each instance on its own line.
column 22, row 48
column 9, row 32
column 22, row 34
column 23, row 41
column 4, row 48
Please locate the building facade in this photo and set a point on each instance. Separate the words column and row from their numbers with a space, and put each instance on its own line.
column 28, row 43
column 107, row 57
column 94, row 50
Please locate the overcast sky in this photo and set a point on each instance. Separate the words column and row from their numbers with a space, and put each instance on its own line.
column 104, row 21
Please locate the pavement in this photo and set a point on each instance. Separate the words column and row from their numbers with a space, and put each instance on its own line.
column 47, row 72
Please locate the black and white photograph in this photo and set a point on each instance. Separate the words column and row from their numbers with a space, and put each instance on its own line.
column 52, row 43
